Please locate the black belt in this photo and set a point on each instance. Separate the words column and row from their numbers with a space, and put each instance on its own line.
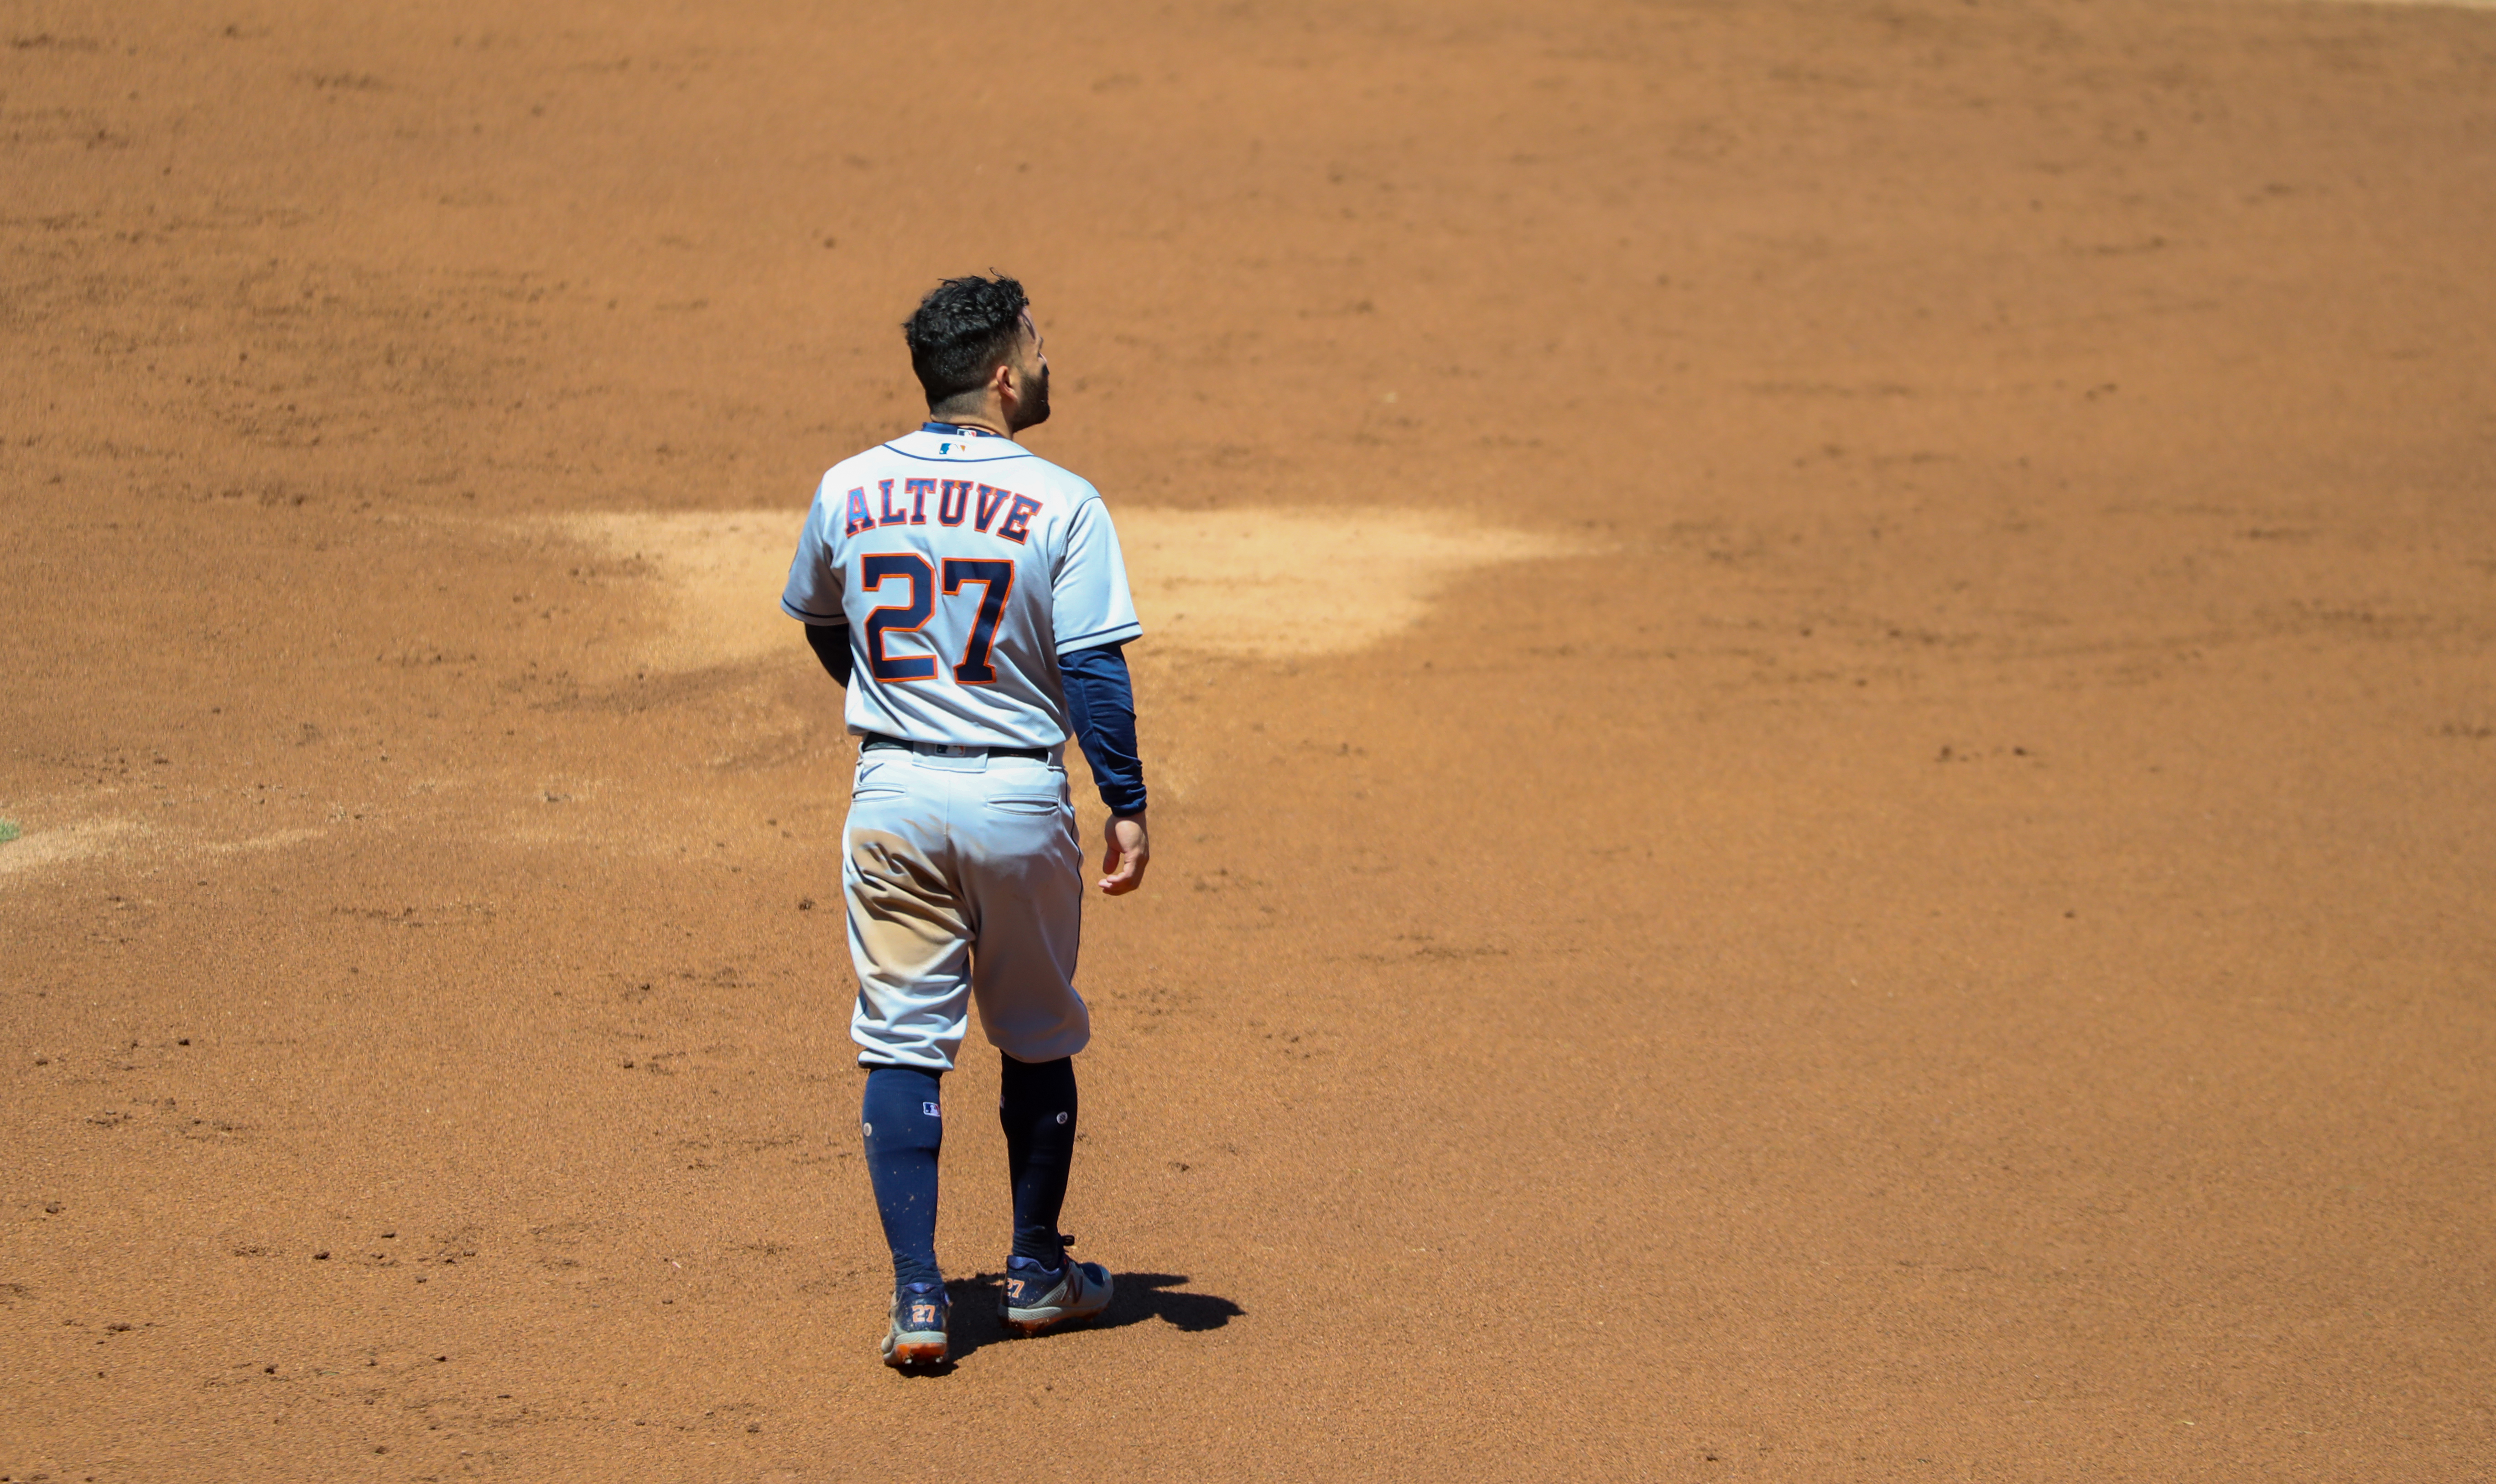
column 875, row 740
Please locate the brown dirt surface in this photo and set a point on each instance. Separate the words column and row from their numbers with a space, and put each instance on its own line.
column 1820, row 705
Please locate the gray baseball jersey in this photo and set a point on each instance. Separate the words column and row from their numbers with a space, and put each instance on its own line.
column 963, row 566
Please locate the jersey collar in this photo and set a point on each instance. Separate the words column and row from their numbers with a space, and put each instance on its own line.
column 957, row 430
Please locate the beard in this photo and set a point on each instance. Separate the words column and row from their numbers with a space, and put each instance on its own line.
column 1033, row 409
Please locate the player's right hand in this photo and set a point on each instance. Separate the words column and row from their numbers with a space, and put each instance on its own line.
column 1128, row 852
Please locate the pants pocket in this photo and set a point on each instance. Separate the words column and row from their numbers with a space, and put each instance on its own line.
column 1025, row 804
column 874, row 781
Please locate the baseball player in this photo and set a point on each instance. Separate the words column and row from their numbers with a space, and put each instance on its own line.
column 971, row 597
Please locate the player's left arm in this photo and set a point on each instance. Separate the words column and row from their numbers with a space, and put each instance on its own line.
column 813, row 596
column 830, row 643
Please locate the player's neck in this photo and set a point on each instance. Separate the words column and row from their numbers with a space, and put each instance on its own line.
column 988, row 419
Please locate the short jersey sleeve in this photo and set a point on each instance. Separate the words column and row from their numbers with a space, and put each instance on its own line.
column 813, row 595
column 1090, row 604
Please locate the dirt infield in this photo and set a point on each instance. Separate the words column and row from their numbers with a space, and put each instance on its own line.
column 1819, row 695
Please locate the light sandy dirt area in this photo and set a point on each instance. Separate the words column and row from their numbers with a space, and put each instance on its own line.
column 1821, row 688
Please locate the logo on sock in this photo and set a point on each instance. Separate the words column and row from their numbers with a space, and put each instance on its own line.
column 931, row 1110
column 1061, row 1118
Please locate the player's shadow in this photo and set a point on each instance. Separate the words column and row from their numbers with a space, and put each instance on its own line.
column 1136, row 1298
column 1141, row 1296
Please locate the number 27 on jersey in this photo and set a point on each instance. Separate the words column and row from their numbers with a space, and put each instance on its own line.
column 992, row 575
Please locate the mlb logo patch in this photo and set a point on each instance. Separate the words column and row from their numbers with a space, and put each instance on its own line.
column 931, row 1110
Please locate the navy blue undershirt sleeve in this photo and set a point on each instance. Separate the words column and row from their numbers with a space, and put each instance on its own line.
column 1100, row 704
column 830, row 643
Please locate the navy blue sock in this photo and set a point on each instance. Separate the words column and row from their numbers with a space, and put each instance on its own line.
column 1036, row 1104
column 904, row 1121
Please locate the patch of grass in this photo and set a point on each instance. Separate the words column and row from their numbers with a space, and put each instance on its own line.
column 8, row 830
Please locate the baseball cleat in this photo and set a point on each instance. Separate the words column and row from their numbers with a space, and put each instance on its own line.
column 919, row 1312
column 1038, row 1298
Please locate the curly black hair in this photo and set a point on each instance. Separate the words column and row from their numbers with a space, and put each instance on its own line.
column 964, row 330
